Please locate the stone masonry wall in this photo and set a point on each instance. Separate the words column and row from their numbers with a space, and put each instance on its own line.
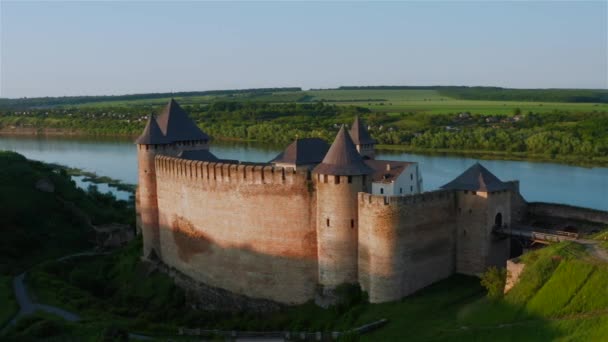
column 476, row 246
column 405, row 243
column 147, row 206
column 244, row 228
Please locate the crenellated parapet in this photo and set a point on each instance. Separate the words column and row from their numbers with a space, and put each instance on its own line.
column 416, row 200
column 227, row 172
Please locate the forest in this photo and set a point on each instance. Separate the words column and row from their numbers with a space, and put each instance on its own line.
column 414, row 119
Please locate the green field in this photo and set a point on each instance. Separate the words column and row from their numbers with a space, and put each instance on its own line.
column 389, row 101
column 480, row 122
column 431, row 102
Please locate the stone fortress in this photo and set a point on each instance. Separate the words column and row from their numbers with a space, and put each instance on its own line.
column 315, row 217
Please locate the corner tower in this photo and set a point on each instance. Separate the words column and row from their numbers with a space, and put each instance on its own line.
column 363, row 141
column 340, row 177
column 483, row 204
column 171, row 133
column 150, row 143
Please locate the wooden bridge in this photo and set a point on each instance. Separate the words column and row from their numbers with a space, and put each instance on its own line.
column 538, row 235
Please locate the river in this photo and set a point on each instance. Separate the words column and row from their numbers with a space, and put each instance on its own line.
column 116, row 158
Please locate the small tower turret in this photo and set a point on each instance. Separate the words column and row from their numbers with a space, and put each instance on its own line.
column 363, row 141
column 149, row 144
column 339, row 178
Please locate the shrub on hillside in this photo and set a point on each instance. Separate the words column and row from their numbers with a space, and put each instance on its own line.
column 493, row 280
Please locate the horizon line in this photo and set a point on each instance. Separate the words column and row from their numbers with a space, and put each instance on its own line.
column 412, row 87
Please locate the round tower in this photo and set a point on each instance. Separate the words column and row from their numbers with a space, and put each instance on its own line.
column 171, row 133
column 149, row 144
column 339, row 178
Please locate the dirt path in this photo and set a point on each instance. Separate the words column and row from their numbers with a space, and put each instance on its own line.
column 28, row 307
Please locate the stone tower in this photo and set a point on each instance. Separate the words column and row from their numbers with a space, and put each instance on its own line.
column 170, row 133
column 482, row 205
column 149, row 144
column 339, row 178
column 363, row 141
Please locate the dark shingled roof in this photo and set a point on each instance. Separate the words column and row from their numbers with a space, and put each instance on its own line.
column 359, row 133
column 342, row 158
column 152, row 134
column 202, row 155
column 381, row 174
column 303, row 151
column 176, row 125
column 477, row 178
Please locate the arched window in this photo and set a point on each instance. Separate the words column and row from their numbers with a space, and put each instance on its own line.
column 498, row 220
column 382, row 190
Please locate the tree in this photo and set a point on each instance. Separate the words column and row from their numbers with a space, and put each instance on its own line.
column 493, row 280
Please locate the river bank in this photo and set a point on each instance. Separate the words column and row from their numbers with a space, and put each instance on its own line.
column 574, row 160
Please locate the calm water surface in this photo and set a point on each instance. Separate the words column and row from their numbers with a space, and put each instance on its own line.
column 116, row 158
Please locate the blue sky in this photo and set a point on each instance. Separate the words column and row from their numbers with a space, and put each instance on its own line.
column 100, row 48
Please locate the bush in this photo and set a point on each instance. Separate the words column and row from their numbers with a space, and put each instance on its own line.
column 493, row 280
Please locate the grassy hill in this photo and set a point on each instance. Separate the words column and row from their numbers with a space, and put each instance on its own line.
column 561, row 296
column 38, row 224
column 43, row 216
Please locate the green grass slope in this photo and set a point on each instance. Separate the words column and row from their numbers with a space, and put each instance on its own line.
column 561, row 296
column 38, row 225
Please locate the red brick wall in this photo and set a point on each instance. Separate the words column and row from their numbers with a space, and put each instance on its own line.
column 337, row 227
column 405, row 243
column 247, row 229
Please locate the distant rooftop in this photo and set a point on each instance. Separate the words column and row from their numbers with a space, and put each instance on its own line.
column 386, row 171
column 172, row 125
column 303, row 152
column 201, row 155
column 152, row 135
column 359, row 133
column 175, row 123
column 477, row 178
column 342, row 158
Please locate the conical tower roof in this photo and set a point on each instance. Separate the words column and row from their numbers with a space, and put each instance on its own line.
column 477, row 178
column 303, row 151
column 152, row 134
column 176, row 125
column 360, row 134
column 342, row 159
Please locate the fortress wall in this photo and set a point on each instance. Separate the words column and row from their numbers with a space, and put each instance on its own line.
column 519, row 205
column 249, row 229
column 405, row 243
column 477, row 248
column 567, row 211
